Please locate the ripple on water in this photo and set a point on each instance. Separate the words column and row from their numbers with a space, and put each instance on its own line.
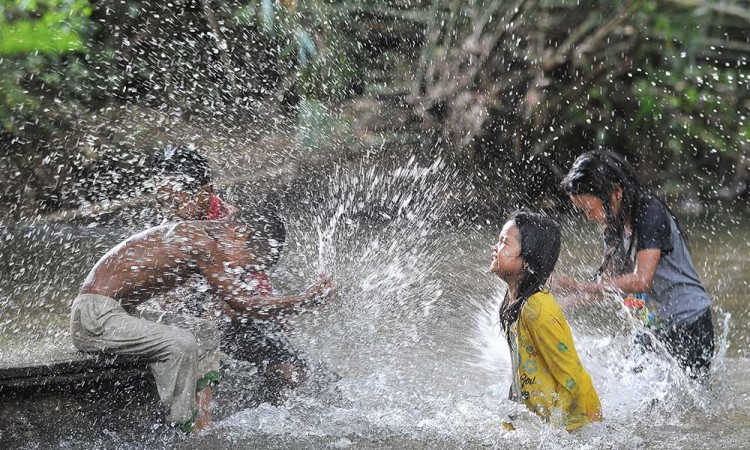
column 414, row 338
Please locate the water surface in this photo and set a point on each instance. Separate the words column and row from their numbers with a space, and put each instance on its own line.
column 413, row 336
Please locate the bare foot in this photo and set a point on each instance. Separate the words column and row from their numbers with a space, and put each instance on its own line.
column 203, row 419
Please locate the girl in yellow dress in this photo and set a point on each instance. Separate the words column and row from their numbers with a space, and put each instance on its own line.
column 547, row 373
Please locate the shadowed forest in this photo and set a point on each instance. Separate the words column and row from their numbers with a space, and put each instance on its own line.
column 89, row 90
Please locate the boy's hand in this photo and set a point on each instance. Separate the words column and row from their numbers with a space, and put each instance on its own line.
column 322, row 292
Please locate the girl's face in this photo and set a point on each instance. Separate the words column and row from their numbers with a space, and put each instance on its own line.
column 593, row 207
column 507, row 262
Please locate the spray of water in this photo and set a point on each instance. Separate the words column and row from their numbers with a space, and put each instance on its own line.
column 415, row 334
column 415, row 339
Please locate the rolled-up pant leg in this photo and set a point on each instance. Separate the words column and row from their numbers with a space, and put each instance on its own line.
column 100, row 324
column 205, row 332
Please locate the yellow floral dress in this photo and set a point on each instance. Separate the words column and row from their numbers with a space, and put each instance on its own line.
column 547, row 372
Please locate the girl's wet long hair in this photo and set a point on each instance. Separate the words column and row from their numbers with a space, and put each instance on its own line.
column 599, row 173
column 540, row 248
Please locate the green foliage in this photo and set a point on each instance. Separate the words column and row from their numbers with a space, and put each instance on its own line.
column 688, row 101
column 35, row 37
column 308, row 34
column 652, row 79
column 46, row 26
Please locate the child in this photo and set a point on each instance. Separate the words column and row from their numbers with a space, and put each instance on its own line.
column 183, row 185
column 547, row 373
column 646, row 257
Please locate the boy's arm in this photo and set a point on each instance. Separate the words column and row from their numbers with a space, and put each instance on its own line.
column 266, row 307
column 242, row 298
column 226, row 280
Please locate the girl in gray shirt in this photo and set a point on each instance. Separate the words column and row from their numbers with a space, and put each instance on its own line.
column 646, row 257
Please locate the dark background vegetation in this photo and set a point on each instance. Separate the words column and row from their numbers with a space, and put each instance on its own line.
column 507, row 91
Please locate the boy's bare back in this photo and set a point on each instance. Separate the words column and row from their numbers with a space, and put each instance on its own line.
column 151, row 262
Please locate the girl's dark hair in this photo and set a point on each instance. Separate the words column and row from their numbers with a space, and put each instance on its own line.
column 540, row 248
column 598, row 173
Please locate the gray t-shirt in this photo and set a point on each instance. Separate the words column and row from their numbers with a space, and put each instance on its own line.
column 677, row 295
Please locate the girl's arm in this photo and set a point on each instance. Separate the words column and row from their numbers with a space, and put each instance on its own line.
column 587, row 293
column 640, row 280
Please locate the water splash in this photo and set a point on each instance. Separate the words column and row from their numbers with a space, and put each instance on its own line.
column 415, row 339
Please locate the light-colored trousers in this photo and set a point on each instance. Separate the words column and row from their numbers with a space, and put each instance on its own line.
column 179, row 356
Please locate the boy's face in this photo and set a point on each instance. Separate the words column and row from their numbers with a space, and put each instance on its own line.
column 176, row 199
column 506, row 261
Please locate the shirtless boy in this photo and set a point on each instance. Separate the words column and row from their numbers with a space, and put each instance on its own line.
column 184, row 191
column 160, row 259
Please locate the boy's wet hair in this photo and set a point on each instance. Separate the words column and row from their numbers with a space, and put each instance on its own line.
column 540, row 249
column 183, row 163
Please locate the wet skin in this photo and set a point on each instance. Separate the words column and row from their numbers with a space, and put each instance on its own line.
column 506, row 261
column 162, row 258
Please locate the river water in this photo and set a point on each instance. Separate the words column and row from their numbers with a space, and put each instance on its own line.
column 413, row 335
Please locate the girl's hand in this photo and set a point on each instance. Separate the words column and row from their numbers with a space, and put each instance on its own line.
column 570, row 285
column 565, row 284
column 591, row 288
column 575, row 293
